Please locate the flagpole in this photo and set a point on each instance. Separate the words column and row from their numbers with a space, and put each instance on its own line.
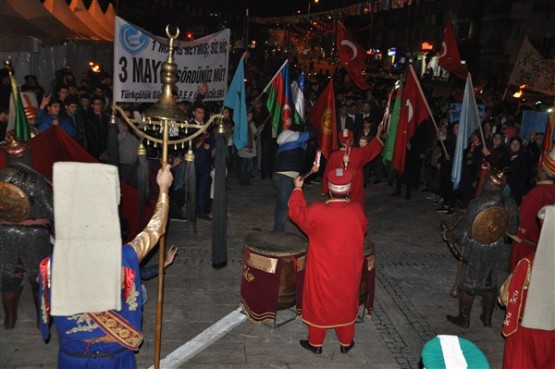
column 266, row 88
column 275, row 75
column 428, row 107
column 477, row 112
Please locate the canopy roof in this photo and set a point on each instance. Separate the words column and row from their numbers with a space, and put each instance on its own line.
column 55, row 20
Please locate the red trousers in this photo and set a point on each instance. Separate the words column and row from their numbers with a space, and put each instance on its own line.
column 344, row 334
column 530, row 349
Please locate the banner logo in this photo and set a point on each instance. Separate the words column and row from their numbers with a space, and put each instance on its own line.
column 132, row 39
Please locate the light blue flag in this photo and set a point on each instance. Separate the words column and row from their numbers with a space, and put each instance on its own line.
column 469, row 121
column 236, row 99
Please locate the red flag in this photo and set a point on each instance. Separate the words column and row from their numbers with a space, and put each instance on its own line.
column 547, row 142
column 351, row 55
column 449, row 57
column 414, row 110
column 322, row 117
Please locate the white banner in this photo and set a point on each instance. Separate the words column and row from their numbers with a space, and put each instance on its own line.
column 138, row 58
column 531, row 69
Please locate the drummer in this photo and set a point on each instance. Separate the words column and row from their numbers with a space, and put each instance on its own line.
column 334, row 261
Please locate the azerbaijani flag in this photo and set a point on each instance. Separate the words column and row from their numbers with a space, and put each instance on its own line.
column 280, row 102
column 22, row 131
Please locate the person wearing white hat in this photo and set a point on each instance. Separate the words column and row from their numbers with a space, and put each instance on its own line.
column 334, row 261
column 91, row 286
column 529, row 295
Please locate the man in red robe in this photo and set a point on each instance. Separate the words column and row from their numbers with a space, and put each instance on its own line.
column 334, row 261
column 529, row 294
column 353, row 159
column 541, row 195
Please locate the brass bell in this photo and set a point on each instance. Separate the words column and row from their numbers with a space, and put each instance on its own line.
column 189, row 156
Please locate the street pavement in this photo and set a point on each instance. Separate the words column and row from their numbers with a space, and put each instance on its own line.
column 415, row 273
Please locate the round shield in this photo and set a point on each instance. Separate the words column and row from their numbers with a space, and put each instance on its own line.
column 490, row 225
column 14, row 204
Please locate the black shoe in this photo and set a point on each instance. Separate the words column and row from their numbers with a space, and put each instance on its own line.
column 309, row 347
column 377, row 181
column 346, row 349
column 205, row 217
column 450, row 211
column 407, row 195
column 219, row 265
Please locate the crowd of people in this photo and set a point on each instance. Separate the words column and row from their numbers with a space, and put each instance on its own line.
column 83, row 112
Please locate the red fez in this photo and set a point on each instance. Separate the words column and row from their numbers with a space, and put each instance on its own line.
column 339, row 181
column 346, row 136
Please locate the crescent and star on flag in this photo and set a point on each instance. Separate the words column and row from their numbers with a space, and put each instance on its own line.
column 352, row 46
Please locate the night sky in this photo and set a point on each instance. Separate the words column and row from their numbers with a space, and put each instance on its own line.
column 257, row 8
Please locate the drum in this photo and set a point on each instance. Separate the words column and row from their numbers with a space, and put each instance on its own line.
column 273, row 273
column 368, row 277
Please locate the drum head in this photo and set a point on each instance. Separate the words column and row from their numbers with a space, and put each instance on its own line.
column 276, row 243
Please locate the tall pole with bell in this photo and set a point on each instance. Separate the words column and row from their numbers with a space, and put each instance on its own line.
column 164, row 115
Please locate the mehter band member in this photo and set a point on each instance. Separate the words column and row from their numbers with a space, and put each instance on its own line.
column 91, row 286
column 334, row 261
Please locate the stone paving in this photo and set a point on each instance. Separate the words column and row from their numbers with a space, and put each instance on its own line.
column 415, row 273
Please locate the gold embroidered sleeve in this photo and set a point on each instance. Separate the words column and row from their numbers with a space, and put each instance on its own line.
column 504, row 292
column 148, row 238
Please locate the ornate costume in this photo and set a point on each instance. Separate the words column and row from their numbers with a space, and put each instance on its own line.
column 105, row 339
column 480, row 233
column 353, row 159
column 541, row 195
column 26, row 215
column 528, row 294
column 528, row 232
column 334, row 262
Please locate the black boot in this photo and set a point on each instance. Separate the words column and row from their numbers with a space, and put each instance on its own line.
column 10, row 300
column 346, row 349
column 465, row 307
column 307, row 346
column 488, row 304
column 408, row 193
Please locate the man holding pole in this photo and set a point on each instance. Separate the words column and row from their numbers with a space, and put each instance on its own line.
column 91, row 286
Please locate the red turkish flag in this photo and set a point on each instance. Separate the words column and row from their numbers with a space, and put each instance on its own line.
column 322, row 117
column 414, row 111
column 449, row 57
column 351, row 55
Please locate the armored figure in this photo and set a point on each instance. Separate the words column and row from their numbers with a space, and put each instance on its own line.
column 480, row 234
column 25, row 226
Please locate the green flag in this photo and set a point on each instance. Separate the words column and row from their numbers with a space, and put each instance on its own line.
column 22, row 131
column 387, row 153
